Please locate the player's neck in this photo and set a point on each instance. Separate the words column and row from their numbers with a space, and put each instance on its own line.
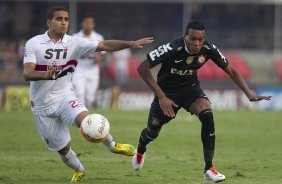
column 87, row 33
column 54, row 36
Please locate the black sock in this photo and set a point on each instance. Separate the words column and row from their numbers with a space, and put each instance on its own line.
column 208, row 137
column 144, row 140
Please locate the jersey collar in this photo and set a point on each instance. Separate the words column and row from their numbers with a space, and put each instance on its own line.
column 46, row 38
column 186, row 48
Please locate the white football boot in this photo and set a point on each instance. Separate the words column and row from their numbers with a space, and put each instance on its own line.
column 138, row 161
column 212, row 174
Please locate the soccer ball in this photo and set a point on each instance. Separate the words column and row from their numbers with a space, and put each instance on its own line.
column 95, row 127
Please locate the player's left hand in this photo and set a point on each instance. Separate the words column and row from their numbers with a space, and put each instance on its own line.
column 138, row 44
column 259, row 98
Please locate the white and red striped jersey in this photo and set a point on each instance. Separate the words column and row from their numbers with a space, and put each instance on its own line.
column 64, row 54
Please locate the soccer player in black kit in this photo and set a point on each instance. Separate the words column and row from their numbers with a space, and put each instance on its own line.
column 177, row 86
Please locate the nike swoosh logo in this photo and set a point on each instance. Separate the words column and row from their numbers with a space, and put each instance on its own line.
column 178, row 61
column 212, row 134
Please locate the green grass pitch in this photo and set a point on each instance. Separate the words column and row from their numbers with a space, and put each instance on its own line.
column 248, row 150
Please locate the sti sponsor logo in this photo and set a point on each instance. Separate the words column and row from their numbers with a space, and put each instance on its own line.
column 57, row 53
column 159, row 51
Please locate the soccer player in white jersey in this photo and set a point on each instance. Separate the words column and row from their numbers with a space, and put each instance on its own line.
column 87, row 74
column 49, row 61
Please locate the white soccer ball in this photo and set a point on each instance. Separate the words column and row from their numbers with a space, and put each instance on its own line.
column 95, row 127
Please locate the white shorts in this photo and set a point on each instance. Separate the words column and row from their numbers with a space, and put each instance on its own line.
column 86, row 82
column 52, row 124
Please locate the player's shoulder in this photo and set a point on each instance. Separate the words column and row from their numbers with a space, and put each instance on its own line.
column 210, row 47
column 97, row 36
column 78, row 34
column 76, row 37
column 36, row 39
column 178, row 43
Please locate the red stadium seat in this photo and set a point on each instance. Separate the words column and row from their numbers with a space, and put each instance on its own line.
column 132, row 69
column 278, row 66
column 210, row 71
column 239, row 63
column 206, row 72
column 112, row 68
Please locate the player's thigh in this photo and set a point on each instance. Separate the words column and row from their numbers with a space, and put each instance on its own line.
column 199, row 105
column 71, row 107
column 156, row 117
column 79, row 83
column 53, row 132
column 195, row 101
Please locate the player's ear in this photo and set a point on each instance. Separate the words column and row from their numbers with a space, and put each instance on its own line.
column 48, row 23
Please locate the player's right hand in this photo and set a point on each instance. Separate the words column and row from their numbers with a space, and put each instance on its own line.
column 50, row 72
column 259, row 98
column 167, row 105
column 138, row 44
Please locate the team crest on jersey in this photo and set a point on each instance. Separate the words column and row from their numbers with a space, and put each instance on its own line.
column 201, row 59
column 190, row 59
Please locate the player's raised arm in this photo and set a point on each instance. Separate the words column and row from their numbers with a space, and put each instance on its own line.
column 116, row 45
column 240, row 81
column 30, row 74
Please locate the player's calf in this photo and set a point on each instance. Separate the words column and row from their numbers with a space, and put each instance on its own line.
column 147, row 135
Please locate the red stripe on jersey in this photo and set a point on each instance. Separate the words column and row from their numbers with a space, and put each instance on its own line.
column 45, row 67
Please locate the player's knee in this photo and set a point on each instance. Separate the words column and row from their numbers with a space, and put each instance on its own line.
column 206, row 118
column 65, row 150
column 80, row 117
column 154, row 126
column 206, row 115
column 154, row 132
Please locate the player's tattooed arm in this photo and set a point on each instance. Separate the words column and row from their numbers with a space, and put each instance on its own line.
column 166, row 104
column 240, row 81
column 116, row 45
column 30, row 74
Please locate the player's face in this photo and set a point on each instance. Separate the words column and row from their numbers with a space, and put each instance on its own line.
column 195, row 40
column 60, row 23
column 88, row 24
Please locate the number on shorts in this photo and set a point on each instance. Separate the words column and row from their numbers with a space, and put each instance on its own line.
column 74, row 103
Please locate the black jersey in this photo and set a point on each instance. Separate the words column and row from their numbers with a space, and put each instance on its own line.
column 179, row 66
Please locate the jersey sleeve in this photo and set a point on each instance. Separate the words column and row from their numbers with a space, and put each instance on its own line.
column 30, row 52
column 218, row 58
column 161, row 54
column 86, row 46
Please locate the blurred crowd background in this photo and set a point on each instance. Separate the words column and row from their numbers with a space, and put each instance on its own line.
column 248, row 32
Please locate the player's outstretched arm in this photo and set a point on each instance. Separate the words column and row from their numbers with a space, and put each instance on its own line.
column 240, row 81
column 116, row 45
column 30, row 74
column 165, row 103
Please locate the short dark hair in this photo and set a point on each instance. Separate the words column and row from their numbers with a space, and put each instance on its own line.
column 194, row 25
column 86, row 16
column 51, row 11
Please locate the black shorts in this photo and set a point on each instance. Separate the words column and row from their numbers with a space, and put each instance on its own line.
column 183, row 98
